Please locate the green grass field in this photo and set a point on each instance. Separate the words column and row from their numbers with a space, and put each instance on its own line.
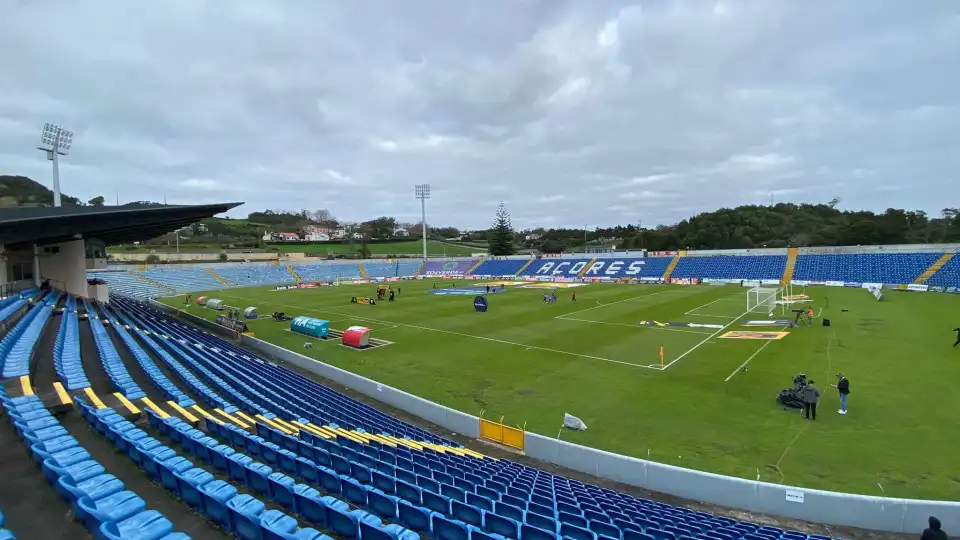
column 411, row 247
column 532, row 362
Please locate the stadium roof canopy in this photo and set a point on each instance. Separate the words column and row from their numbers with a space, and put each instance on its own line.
column 112, row 224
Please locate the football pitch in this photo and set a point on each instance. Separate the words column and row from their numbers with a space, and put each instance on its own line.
column 711, row 407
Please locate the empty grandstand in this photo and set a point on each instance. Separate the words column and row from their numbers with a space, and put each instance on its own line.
column 500, row 267
column 886, row 268
column 398, row 268
column 457, row 267
column 948, row 275
column 248, row 275
column 131, row 284
column 768, row 267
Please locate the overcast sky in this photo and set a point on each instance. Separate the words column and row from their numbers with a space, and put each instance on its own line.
column 589, row 112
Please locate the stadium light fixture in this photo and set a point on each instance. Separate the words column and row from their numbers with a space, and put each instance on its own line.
column 423, row 193
column 56, row 142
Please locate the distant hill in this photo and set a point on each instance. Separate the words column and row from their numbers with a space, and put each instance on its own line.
column 22, row 191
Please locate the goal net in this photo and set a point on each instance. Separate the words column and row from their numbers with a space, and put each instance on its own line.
column 763, row 299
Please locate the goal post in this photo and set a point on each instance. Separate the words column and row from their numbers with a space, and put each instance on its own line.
column 763, row 299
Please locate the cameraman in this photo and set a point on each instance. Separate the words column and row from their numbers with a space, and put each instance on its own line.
column 811, row 395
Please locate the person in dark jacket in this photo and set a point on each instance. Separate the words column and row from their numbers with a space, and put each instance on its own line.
column 842, row 386
column 811, row 395
column 934, row 532
column 957, row 342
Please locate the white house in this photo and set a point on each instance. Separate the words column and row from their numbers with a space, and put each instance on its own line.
column 401, row 232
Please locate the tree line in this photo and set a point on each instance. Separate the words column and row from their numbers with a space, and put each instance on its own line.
column 744, row 227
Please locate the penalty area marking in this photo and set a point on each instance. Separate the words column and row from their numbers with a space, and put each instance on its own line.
column 708, row 338
column 694, row 310
column 599, row 305
column 635, row 326
column 461, row 334
column 752, row 356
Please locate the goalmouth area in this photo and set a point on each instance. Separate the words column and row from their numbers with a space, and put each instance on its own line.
column 709, row 405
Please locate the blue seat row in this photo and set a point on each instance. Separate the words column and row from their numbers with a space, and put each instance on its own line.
column 99, row 499
column 4, row 533
column 159, row 380
column 160, row 347
column 246, row 393
column 303, row 499
column 17, row 346
column 15, row 302
column 110, row 358
column 259, row 379
column 66, row 349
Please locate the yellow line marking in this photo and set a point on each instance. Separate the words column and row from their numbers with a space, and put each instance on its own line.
column 62, row 394
column 326, row 431
column 127, row 403
column 349, row 435
column 383, row 440
column 226, row 415
column 93, row 398
column 25, row 385
column 362, row 436
column 407, row 443
column 266, row 421
column 153, row 407
column 207, row 415
column 286, row 425
column 183, row 412
column 310, row 429
column 245, row 418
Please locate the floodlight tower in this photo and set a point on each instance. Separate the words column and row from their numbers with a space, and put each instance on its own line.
column 423, row 193
column 55, row 141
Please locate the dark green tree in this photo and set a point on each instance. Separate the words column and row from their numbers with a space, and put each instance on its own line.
column 96, row 201
column 501, row 235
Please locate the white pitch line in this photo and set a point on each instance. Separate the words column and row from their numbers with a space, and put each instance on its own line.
column 705, row 305
column 612, row 303
column 634, row 326
column 708, row 338
column 752, row 356
column 505, row 342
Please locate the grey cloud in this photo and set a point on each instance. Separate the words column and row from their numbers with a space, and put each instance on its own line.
column 571, row 112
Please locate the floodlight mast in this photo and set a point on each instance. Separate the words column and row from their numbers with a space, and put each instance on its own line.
column 55, row 141
column 423, row 193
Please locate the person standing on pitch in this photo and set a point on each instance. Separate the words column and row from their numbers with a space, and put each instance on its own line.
column 842, row 386
column 811, row 394
column 809, row 316
column 957, row 342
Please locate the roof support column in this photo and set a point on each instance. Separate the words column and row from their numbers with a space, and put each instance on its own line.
column 36, row 266
column 3, row 265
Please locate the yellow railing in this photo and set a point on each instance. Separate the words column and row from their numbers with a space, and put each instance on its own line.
column 501, row 433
